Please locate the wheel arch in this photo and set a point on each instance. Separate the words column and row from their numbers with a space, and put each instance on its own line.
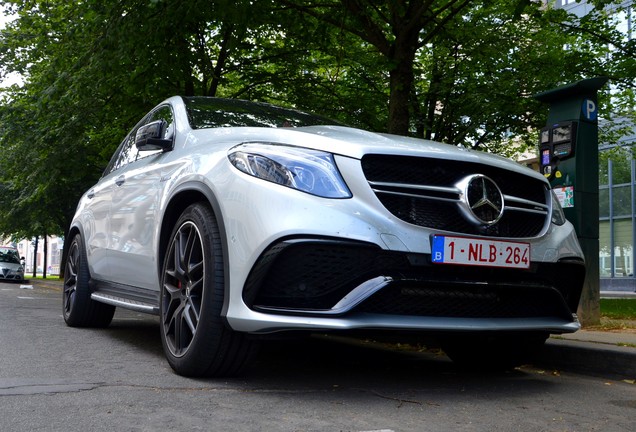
column 72, row 232
column 185, row 195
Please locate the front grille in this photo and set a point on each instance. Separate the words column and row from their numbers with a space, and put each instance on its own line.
column 423, row 192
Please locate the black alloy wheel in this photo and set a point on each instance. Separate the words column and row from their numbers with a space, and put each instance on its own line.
column 196, row 341
column 183, row 289
column 78, row 308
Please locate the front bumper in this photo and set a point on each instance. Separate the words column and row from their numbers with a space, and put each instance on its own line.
column 321, row 283
column 9, row 274
column 305, row 263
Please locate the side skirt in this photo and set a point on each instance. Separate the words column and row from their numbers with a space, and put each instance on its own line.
column 125, row 296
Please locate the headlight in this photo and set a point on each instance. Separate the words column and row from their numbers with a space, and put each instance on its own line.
column 306, row 170
column 558, row 217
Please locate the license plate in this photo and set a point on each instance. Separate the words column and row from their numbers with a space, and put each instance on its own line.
column 479, row 252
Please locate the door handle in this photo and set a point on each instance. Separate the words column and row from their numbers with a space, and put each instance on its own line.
column 91, row 194
column 120, row 180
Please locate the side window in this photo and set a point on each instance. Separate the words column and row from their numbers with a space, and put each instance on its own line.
column 123, row 154
column 113, row 160
column 127, row 152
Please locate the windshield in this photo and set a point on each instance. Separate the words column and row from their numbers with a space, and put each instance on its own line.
column 9, row 255
column 207, row 112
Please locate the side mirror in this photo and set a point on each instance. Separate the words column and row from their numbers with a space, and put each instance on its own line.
column 150, row 137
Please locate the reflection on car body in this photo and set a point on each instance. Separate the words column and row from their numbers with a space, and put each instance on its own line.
column 232, row 219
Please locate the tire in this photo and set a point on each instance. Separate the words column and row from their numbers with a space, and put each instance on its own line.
column 493, row 352
column 195, row 339
column 78, row 308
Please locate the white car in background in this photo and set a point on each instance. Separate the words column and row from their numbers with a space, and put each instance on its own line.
column 11, row 267
column 235, row 220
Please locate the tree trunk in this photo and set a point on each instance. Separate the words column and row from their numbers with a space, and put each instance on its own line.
column 46, row 255
column 224, row 52
column 401, row 55
column 401, row 80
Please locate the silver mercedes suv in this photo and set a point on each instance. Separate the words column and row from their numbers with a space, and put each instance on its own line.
column 234, row 220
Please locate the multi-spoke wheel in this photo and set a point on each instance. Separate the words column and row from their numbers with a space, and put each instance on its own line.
column 195, row 339
column 77, row 306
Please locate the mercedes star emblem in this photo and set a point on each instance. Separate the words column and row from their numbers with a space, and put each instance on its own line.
column 481, row 200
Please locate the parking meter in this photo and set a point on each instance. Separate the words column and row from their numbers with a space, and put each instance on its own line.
column 568, row 157
column 557, row 142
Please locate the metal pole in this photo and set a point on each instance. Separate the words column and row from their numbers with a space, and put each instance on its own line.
column 633, row 196
column 610, row 183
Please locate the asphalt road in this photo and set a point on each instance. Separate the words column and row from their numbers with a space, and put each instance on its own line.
column 56, row 378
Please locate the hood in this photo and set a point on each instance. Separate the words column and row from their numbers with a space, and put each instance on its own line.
column 355, row 143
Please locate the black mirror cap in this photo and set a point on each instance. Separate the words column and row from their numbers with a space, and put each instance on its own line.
column 149, row 137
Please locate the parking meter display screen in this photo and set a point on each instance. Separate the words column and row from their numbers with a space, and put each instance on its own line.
column 545, row 136
column 545, row 157
column 561, row 134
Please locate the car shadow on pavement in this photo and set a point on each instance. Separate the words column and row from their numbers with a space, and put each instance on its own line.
column 339, row 363
column 346, row 362
column 140, row 331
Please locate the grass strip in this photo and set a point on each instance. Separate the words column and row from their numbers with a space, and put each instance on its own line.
column 621, row 309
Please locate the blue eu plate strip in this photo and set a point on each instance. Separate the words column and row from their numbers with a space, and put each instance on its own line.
column 437, row 251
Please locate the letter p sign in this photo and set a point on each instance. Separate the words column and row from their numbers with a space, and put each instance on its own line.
column 589, row 108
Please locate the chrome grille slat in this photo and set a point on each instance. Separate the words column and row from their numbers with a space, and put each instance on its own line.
column 416, row 186
column 525, row 201
column 415, row 195
column 527, row 210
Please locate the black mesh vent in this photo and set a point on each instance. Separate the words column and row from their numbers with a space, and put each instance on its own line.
column 467, row 302
column 315, row 275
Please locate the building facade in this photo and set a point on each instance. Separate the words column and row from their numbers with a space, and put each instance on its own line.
column 617, row 212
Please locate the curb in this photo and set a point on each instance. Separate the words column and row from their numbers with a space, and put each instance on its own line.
column 53, row 283
column 593, row 358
